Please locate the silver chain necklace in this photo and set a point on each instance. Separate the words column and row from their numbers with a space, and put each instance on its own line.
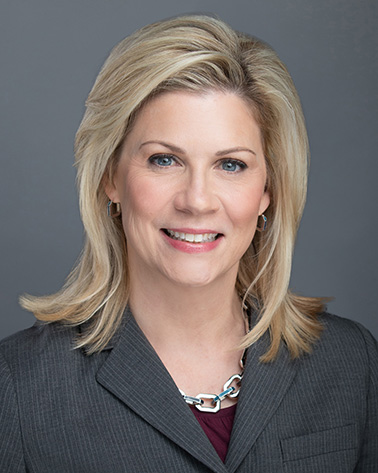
column 231, row 389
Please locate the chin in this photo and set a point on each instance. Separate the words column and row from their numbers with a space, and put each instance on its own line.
column 191, row 279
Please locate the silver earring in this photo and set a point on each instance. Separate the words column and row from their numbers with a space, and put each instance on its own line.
column 113, row 209
column 263, row 225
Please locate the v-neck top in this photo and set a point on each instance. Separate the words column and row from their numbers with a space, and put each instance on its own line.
column 217, row 427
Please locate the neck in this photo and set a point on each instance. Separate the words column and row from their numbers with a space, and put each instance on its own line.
column 181, row 316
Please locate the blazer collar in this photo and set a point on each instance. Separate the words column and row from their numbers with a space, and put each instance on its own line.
column 264, row 386
column 135, row 374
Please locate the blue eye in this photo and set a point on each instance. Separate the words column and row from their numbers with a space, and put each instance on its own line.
column 162, row 160
column 233, row 165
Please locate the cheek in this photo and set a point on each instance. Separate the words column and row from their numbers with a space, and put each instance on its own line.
column 243, row 208
column 143, row 199
column 136, row 213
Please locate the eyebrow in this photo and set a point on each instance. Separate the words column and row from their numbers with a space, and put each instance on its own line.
column 176, row 149
column 234, row 150
column 173, row 148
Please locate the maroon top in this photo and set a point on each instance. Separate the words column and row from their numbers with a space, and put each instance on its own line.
column 217, row 427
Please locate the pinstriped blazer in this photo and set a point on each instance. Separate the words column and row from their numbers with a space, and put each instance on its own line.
column 119, row 411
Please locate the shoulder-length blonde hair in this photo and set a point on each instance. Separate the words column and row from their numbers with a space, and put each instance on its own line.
column 196, row 53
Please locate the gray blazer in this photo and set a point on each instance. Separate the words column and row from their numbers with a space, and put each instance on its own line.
column 120, row 411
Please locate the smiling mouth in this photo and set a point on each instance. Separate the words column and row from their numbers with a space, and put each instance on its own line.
column 192, row 237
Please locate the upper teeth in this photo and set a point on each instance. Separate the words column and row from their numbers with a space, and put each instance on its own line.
column 192, row 237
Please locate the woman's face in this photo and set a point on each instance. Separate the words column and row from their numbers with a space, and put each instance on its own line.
column 191, row 184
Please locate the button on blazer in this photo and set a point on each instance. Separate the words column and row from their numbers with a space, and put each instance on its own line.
column 64, row 411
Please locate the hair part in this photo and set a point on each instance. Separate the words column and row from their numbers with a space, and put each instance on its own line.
column 198, row 54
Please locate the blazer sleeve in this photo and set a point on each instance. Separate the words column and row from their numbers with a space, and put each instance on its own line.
column 11, row 451
column 368, row 460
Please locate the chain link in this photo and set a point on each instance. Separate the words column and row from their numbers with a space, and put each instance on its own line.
column 215, row 400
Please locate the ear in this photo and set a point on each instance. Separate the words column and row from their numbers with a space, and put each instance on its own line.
column 264, row 202
column 110, row 188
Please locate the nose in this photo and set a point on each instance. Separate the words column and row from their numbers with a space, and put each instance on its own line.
column 197, row 194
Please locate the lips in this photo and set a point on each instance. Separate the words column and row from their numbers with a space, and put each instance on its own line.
column 192, row 240
column 205, row 237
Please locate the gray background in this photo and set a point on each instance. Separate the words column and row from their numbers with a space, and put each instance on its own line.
column 50, row 54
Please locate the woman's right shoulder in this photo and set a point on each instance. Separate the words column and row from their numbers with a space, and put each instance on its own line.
column 39, row 341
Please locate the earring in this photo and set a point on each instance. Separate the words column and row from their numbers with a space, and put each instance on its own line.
column 262, row 227
column 113, row 209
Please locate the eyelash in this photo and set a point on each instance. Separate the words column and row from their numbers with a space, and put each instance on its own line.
column 153, row 160
column 241, row 165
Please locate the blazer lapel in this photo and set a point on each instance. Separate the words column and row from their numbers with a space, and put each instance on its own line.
column 135, row 374
column 263, row 387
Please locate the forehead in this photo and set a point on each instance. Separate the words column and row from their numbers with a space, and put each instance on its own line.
column 189, row 117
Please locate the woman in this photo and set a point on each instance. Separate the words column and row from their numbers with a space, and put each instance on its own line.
column 175, row 344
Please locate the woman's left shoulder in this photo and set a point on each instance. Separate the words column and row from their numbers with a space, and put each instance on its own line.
column 343, row 328
column 343, row 337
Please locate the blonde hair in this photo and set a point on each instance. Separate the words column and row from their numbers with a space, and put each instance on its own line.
column 196, row 53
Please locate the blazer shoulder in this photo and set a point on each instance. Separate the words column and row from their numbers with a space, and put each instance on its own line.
column 39, row 341
column 347, row 339
column 343, row 328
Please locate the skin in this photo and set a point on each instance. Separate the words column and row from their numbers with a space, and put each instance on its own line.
column 192, row 162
